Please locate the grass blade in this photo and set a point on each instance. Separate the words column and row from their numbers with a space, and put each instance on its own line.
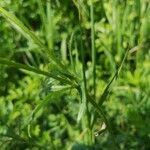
column 106, row 92
column 83, row 104
column 108, row 87
column 70, row 52
column 33, row 69
column 48, row 99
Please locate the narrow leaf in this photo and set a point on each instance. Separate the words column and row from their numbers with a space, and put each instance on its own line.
column 32, row 69
column 108, row 87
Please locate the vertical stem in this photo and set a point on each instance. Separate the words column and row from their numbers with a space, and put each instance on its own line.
column 70, row 52
column 83, row 66
column 84, row 91
column 93, row 49
column 83, row 69
column 138, row 24
column 49, row 26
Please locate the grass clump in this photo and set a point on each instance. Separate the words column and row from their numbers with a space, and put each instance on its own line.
column 70, row 55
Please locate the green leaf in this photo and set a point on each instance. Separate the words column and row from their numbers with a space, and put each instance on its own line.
column 19, row 26
column 81, row 111
column 32, row 69
column 109, row 85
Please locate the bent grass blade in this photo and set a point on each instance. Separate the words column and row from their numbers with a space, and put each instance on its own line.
column 33, row 69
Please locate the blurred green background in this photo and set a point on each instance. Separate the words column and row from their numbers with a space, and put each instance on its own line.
column 119, row 25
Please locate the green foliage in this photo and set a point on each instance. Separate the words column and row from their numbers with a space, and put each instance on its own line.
column 74, row 74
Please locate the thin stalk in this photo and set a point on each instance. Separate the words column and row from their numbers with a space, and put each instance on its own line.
column 84, row 91
column 46, row 18
column 138, row 24
column 83, row 68
column 93, row 49
column 49, row 27
column 70, row 52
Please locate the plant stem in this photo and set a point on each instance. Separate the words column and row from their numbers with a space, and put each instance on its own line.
column 93, row 49
column 84, row 91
